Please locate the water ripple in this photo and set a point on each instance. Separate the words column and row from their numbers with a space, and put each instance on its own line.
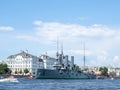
column 26, row 84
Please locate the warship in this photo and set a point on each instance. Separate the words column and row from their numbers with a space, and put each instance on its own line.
column 63, row 68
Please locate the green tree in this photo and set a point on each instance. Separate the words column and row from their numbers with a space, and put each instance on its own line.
column 86, row 69
column 4, row 69
column 16, row 72
column 77, row 68
column 20, row 72
column 104, row 71
column 26, row 71
column 7, row 70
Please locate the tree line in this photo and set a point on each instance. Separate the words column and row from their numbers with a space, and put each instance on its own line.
column 4, row 69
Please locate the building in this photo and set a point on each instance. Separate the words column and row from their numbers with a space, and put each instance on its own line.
column 48, row 61
column 21, row 61
column 114, row 71
column 62, row 61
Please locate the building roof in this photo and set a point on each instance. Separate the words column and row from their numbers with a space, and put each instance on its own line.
column 47, row 57
column 23, row 54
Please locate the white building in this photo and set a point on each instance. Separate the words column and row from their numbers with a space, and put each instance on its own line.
column 21, row 61
column 114, row 71
column 48, row 61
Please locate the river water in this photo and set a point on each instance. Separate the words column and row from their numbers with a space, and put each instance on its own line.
column 25, row 84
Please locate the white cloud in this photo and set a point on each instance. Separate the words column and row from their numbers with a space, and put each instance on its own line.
column 102, row 36
column 6, row 28
column 74, row 33
column 116, row 58
column 100, row 30
column 115, row 61
column 53, row 29
column 100, row 39
column 102, row 58
column 37, row 23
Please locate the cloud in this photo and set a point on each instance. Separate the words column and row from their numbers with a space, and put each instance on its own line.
column 37, row 23
column 100, row 30
column 102, row 55
column 115, row 61
column 73, row 34
column 6, row 28
column 51, row 30
column 116, row 58
column 101, row 40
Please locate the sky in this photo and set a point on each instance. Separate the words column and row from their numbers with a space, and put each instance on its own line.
column 35, row 25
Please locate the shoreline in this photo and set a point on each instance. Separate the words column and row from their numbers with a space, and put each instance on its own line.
column 16, row 76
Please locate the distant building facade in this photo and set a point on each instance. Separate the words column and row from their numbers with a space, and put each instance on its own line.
column 61, row 61
column 48, row 61
column 114, row 71
column 21, row 61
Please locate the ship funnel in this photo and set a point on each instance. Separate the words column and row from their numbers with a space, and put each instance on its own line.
column 60, row 59
column 66, row 60
column 72, row 62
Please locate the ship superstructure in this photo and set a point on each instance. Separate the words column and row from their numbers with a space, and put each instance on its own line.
column 63, row 68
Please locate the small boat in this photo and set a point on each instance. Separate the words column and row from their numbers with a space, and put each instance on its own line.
column 9, row 79
column 30, row 77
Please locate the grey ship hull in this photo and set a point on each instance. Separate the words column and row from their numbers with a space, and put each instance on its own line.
column 60, row 74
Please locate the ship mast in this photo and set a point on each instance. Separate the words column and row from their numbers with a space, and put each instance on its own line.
column 62, row 48
column 57, row 44
column 57, row 54
column 62, row 51
column 84, row 54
